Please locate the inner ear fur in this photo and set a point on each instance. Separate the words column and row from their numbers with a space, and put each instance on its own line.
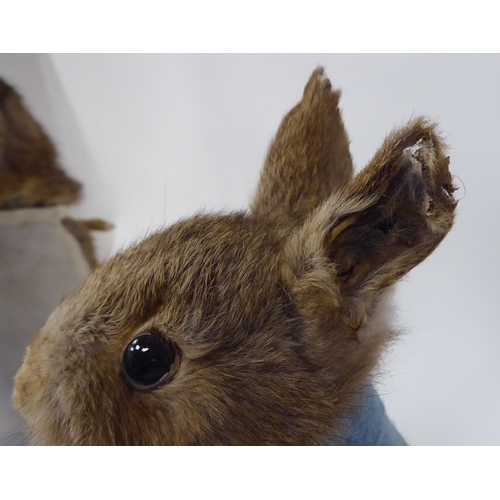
column 368, row 235
column 309, row 158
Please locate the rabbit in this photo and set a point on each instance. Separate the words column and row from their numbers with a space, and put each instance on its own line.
column 260, row 327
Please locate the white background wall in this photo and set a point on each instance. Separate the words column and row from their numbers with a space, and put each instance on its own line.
column 158, row 137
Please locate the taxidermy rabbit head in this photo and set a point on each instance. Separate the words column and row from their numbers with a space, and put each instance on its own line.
column 260, row 327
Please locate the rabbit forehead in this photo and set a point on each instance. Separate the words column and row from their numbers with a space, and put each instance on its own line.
column 201, row 271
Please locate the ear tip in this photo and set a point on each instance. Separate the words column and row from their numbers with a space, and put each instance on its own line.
column 320, row 70
column 317, row 79
column 320, row 85
column 423, row 121
column 422, row 126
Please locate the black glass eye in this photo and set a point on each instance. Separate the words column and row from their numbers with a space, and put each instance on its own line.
column 148, row 358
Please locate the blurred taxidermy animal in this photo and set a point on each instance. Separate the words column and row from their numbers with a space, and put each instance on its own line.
column 30, row 174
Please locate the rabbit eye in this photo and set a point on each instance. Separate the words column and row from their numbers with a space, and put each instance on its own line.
column 147, row 359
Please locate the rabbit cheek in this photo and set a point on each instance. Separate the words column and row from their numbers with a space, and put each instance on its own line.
column 27, row 388
column 31, row 394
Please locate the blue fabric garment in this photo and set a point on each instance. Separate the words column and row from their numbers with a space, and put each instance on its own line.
column 370, row 424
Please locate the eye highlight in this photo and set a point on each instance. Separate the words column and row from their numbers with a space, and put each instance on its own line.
column 147, row 359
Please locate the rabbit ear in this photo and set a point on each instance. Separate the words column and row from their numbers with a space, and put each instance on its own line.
column 309, row 158
column 387, row 220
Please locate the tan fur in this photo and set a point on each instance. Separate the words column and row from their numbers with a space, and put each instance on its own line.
column 276, row 313
column 80, row 229
column 30, row 175
column 309, row 158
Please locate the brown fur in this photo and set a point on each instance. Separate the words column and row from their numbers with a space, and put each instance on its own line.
column 30, row 175
column 80, row 229
column 275, row 313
